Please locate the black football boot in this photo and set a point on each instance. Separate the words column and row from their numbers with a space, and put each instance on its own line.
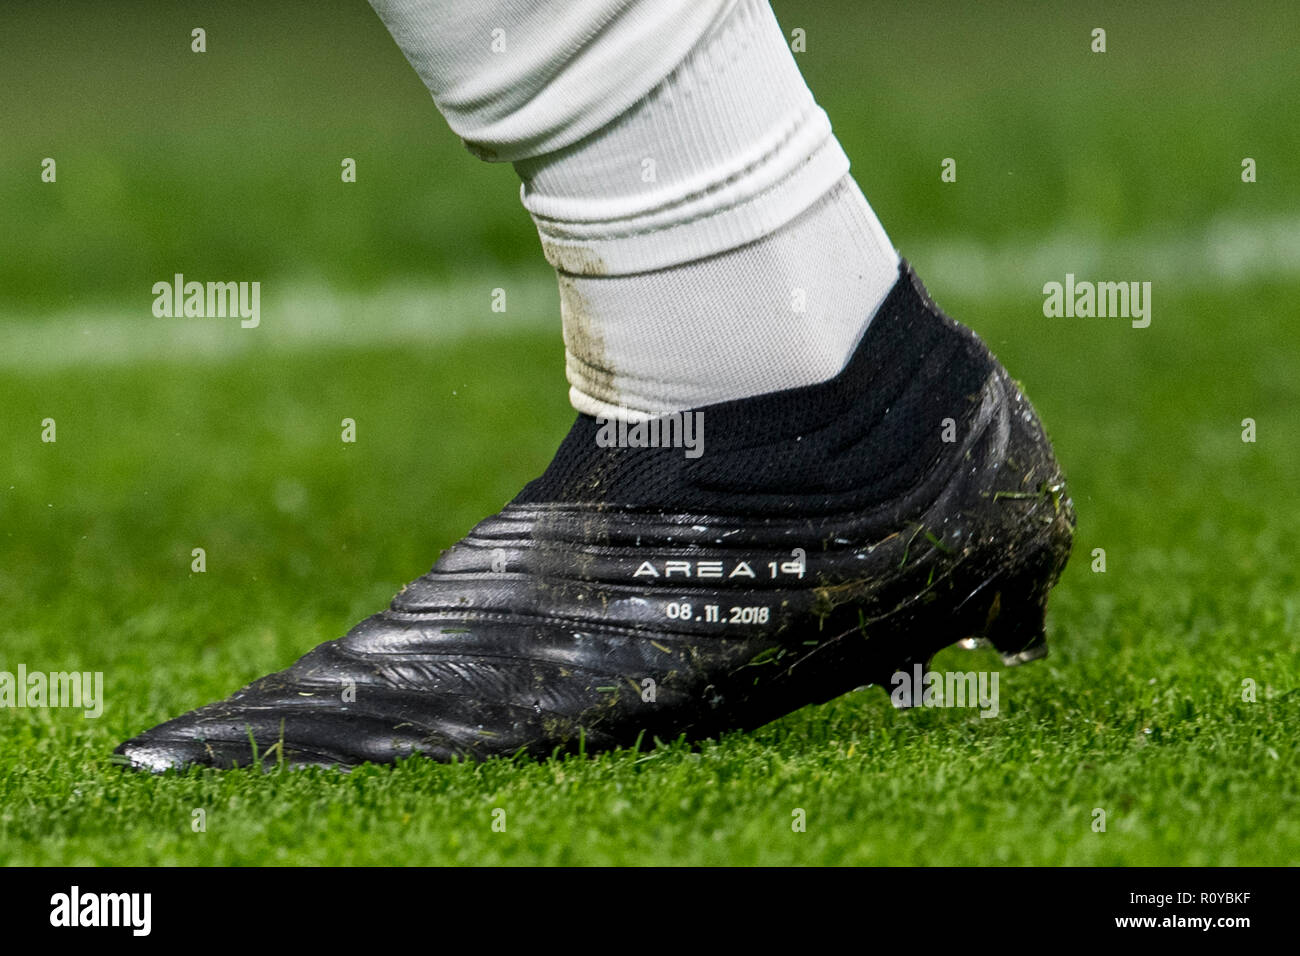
column 826, row 537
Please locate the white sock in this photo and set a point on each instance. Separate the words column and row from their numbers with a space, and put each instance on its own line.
column 708, row 239
column 783, row 311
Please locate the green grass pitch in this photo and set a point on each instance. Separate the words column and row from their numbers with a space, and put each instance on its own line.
column 1123, row 165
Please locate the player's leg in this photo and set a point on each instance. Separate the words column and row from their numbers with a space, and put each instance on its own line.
column 842, row 480
column 709, row 241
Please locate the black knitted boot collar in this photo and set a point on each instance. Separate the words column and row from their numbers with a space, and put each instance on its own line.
column 896, row 411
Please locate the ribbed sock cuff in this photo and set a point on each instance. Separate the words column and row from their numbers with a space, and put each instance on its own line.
column 728, row 148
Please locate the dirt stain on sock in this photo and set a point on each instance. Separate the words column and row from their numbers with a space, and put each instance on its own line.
column 575, row 260
column 584, row 342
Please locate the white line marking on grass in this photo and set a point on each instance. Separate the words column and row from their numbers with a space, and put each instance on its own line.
column 1227, row 252
column 295, row 318
column 298, row 317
